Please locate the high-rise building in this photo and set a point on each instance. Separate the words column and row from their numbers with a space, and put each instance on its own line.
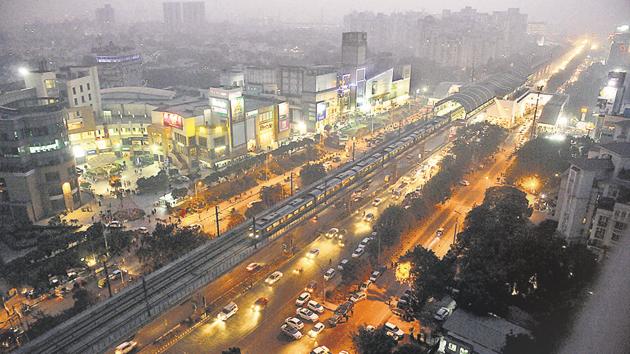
column 620, row 48
column 353, row 49
column 173, row 16
column 104, row 15
column 82, row 86
column 37, row 170
column 117, row 66
column 193, row 14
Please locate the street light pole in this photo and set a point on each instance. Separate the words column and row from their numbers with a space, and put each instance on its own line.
column 532, row 134
column 216, row 216
column 291, row 177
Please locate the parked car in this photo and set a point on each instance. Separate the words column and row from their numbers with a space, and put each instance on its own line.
column 377, row 202
column 365, row 241
column 442, row 314
column 315, row 306
column 332, row 233
column 358, row 252
column 311, row 286
column 365, row 285
column 291, row 331
column 375, row 274
column 464, row 183
column 273, row 277
column 342, row 264
column 356, row 297
column 330, row 273
column 302, row 299
column 393, row 331
column 322, row 349
column 317, row 329
column 295, row 322
column 115, row 224
column 307, row 314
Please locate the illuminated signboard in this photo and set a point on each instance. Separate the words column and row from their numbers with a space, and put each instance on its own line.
column 117, row 58
column 172, row 120
column 219, row 105
column 321, row 111
column 283, row 116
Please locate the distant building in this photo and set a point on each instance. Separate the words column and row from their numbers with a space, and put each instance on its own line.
column 173, row 16
column 619, row 56
column 193, row 14
column 37, row 169
column 117, row 66
column 353, row 49
column 104, row 15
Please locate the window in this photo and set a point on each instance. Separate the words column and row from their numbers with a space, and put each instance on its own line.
column 620, row 226
column 82, row 99
column 89, row 96
column 599, row 233
column 49, row 83
column 602, row 221
column 88, row 86
column 75, row 101
column 81, row 88
column 615, row 237
column 74, row 91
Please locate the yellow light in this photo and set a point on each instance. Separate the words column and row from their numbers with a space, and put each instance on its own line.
column 78, row 151
column 403, row 272
column 531, row 183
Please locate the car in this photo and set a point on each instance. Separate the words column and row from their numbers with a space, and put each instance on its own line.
column 342, row 263
column 358, row 252
column 195, row 227
column 370, row 328
column 302, row 299
column 116, row 274
column 313, row 253
column 342, row 234
column 418, row 190
column 228, row 311
column 356, row 297
column 464, row 183
column 273, row 277
column 295, row 322
column 317, row 329
column 311, row 286
column 369, row 217
column 377, row 202
column 260, row 304
column 291, row 331
column 330, row 273
column 393, row 331
column 439, row 232
column 115, row 225
column 365, row 285
column 332, row 233
column 365, row 241
column 375, row 274
column 143, row 230
column 102, row 283
column 315, row 306
column 322, row 349
column 307, row 314
column 126, row 347
column 442, row 314
column 253, row 267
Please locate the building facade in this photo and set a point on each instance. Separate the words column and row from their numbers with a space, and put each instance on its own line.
column 37, row 170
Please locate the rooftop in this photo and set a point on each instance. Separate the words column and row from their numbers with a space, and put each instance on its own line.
column 185, row 109
column 252, row 103
column 487, row 334
column 593, row 164
column 551, row 111
column 620, row 148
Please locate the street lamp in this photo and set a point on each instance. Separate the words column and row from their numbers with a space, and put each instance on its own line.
column 23, row 71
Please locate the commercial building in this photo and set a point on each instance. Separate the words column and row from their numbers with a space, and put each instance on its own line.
column 37, row 169
column 619, row 56
column 353, row 49
column 117, row 66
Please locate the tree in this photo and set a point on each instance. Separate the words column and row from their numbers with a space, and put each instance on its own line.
column 519, row 344
column 430, row 275
column 391, row 224
column 179, row 192
column 311, row 173
column 255, row 209
column 167, row 243
column 270, row 195
column 83, row 299
column 409, row 348
column 235, row 218
column 373, row 342
column 354, row 271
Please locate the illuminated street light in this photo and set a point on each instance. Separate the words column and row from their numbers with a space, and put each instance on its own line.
column 23, row 71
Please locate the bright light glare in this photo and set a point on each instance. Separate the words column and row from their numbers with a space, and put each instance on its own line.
column 23, row 71
column 78, row 151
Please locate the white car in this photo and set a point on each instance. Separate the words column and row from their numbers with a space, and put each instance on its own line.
column 330, row 273
column 228, row 311
column 442, row 314
column 365, row 241
column 369, row 217
column 313, row 253
column 307, row 314
column 291, row 331
column 273, row 277
column 295, row 322
column 365, row 285
column 464, row 183
column 253, row 266
column 332, row 233
column 375, row 274
column 115, row 225
column 358, row 252
column 143, row 230
column 321, row 350
column 315, row 306
column 356, row 297
column 342, row 264
column 126, row 347
column 377, row 202
column 439, row 232
column 317, row 329
column 302, row 299
column 393, row 331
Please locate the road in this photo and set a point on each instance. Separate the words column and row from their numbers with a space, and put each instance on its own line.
column 252, row 331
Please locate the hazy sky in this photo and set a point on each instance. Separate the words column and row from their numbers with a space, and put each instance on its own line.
column 579, row 14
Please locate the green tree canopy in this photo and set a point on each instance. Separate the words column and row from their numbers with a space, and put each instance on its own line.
column 373, row 342
column 311, row 173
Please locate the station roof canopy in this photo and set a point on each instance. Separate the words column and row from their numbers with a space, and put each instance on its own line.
column 552, row 109
column 472, row 96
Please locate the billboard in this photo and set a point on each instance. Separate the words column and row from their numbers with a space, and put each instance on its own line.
column 172, row 120
column 320, row 111
column 238, row 109
column 283, row 116
column 117, row 58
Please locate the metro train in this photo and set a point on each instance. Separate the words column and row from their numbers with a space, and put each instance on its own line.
column 275, row 220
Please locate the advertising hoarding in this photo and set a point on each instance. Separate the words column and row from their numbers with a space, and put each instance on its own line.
column 172, row 120
column 320, row 111
column 283, row 116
